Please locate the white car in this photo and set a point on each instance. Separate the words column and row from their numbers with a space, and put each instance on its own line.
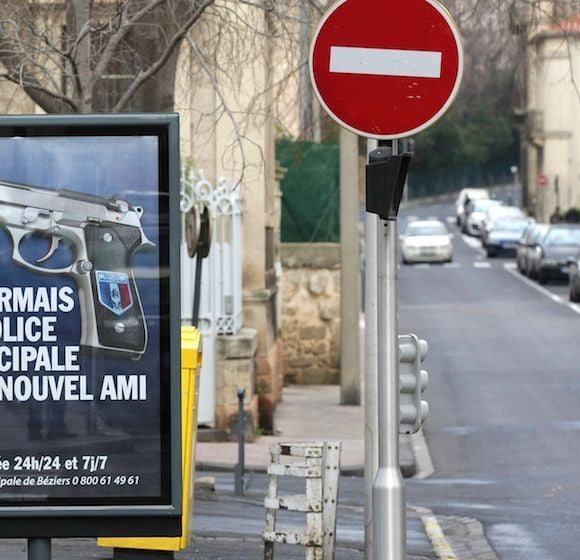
column 475, row 213
column 464, row 196
column 426, row 241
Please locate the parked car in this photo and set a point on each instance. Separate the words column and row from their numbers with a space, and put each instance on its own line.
column 554, row 252
column 501, row 212
column 503, row 236
column 475, row 213
column 426, row 241
column 574, row 280
column 464, row 196
column 526, row 246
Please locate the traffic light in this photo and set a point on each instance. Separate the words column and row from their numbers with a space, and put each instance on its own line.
column 412, row 382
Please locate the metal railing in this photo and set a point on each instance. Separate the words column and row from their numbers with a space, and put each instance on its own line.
column 220, row 304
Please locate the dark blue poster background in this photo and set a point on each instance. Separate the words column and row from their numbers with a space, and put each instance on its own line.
column 95, row 436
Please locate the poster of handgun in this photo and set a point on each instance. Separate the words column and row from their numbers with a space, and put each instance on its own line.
column 84, row 318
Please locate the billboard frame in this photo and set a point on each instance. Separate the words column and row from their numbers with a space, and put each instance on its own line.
column 160, row 517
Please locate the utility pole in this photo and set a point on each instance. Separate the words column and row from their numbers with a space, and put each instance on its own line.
column 350, row 280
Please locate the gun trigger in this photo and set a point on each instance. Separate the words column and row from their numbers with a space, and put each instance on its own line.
column 53, row 247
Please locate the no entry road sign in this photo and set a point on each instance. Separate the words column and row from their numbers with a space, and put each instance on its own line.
column 386, row 68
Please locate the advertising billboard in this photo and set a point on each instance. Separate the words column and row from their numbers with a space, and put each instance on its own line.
column 89, row 325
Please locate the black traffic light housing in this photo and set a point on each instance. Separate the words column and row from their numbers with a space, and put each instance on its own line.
column 385, row 180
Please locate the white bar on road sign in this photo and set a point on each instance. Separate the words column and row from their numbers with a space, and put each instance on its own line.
column 385, row 62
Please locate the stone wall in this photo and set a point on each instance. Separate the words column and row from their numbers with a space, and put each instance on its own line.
column 311, row 312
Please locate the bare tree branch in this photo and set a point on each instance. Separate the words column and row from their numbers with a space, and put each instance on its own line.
column 162, row 60
column 117, row 37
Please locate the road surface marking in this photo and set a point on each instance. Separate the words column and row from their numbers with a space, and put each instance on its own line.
column 471, row 241
column 474, row 243
column 385, row 62
column 447, row 265
column 555, row 298
column 471, row 543
column 425, row 266
column 437, row 538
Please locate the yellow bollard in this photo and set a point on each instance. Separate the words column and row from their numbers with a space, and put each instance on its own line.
column 191, row 356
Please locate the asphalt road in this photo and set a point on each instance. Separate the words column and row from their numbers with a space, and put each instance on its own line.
column 504, row 395
column 220, row 515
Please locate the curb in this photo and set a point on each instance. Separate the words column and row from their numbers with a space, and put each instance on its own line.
column 408, row 470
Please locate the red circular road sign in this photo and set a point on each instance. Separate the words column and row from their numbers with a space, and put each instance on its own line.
column 386, row 68
column 542, row 180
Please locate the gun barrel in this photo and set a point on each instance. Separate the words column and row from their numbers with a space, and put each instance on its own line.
column 74, row 207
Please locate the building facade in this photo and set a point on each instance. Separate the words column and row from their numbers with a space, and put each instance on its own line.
column 550, row 110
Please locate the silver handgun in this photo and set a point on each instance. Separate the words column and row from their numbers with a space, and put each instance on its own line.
column 105, row 234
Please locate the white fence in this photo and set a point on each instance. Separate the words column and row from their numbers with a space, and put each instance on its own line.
column 220, row 306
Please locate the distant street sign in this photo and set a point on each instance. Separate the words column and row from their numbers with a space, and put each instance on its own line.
column 384, row 68
column 542, row 180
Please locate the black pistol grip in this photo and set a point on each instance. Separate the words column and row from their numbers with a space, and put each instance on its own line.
column 120, row 323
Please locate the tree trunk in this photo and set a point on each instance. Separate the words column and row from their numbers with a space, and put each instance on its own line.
column 82, row 17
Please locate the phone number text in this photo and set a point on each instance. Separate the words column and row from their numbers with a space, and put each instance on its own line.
column 76, row 480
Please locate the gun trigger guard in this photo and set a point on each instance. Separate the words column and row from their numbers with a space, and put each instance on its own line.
column 53, row 247
column 17, row 237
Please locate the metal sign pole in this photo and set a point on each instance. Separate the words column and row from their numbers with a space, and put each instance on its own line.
column 389, row 508
column 341, row 82
column 370, row 369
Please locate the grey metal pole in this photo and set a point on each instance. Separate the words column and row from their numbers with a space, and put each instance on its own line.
column 240, row 467
column 39, row 549
column 370, row 369
column 350, row 373
column 389, row 508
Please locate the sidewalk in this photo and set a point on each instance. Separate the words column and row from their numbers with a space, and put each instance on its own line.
column 306, row 413
column 228, row 527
